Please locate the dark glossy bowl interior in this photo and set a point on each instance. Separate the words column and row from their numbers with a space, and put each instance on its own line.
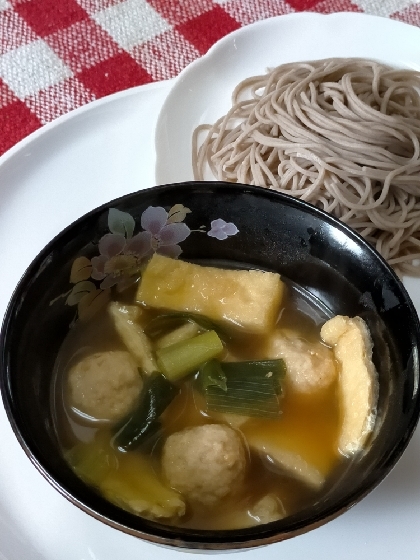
column 276, row 232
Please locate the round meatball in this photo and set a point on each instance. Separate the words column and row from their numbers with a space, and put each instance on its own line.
column 105, row 385
column 205, row 463
column 310, row 366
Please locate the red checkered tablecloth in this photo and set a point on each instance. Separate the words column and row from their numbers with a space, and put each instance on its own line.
column 56, row 55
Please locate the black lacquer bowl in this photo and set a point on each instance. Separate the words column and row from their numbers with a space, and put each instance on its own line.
column 276, row 232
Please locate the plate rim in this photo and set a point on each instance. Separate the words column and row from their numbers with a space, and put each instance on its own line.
column 76, row 113
column 162, row 143
column 297, row 15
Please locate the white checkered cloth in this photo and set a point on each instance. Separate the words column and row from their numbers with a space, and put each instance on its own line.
column 56, row 55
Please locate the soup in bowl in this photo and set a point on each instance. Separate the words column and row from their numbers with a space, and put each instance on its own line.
column 211, row 366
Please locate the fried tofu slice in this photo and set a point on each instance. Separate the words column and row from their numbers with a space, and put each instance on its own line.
column 125, row 319
column 358, row 380
column 287, row 461
column 249, row 299
column 269, row 508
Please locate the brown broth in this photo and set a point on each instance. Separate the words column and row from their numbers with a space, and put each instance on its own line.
column 308, row 424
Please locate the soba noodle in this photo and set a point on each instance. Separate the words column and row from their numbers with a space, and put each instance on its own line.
column 342, row 134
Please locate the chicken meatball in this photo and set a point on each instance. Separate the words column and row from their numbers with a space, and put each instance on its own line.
column 205, row 463
column 105, row 385
column 310, row 366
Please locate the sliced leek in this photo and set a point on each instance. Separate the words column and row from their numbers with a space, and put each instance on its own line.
column 186, row 357
column 249, row 388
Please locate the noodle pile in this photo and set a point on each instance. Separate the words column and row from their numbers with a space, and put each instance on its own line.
column 342, row 134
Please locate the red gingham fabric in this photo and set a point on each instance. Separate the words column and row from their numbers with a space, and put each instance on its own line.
column 56, row 55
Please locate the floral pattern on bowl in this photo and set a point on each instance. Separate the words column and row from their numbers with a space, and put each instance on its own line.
column 123, row 254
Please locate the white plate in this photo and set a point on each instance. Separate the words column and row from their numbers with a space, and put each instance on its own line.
column 202, row 92
column 96, row 153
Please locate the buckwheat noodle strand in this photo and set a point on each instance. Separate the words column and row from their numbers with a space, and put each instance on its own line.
column 340, row 133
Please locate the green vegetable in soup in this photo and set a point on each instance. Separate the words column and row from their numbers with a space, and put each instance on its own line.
column 180, row 359
column 212, row 374
column 143, row 423
column 249, row 388
column 92, row 461
column 135, row 486
column 128, row 481
column 167, row 322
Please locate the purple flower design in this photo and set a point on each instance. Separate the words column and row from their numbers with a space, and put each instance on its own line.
column 222, row 230
column 119, row 259
column 165, row 235
column 122, row 254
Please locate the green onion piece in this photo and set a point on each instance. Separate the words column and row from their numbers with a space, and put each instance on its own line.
column 271, row 369
column 252, row 389
column 168, row 321
column 143, row 423
column 211, row 373
column 184, row 357
column 92, row 461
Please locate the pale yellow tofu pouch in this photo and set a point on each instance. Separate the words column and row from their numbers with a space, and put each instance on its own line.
column 246, row 298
